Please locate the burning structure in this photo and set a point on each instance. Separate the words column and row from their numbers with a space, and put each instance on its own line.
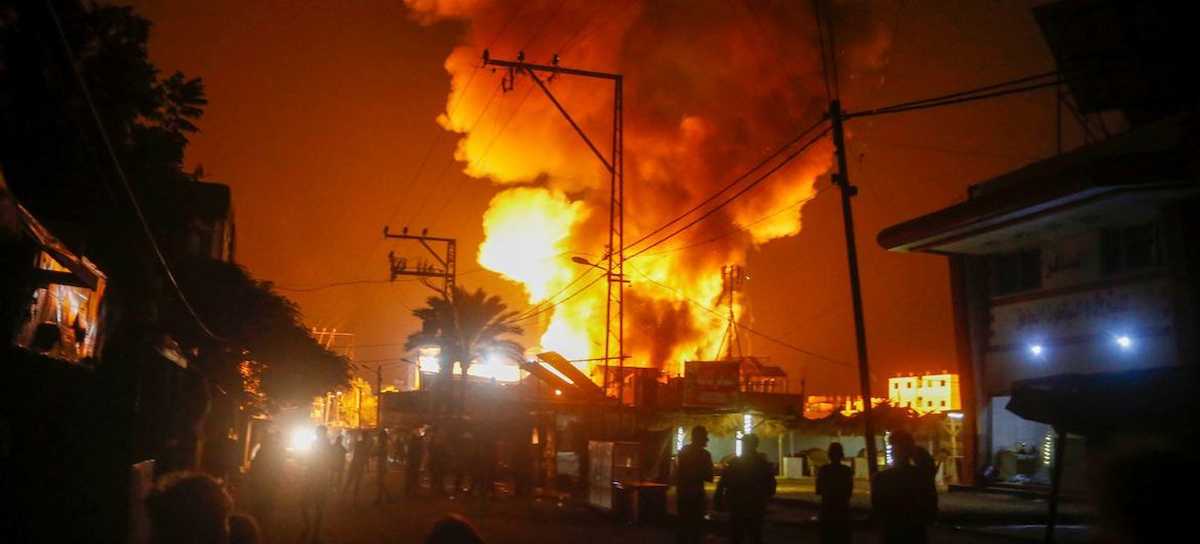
column 682, row 143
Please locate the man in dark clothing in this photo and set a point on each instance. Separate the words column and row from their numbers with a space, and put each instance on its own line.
column 835, row 484
column 358, row 463
column 412, row 463
column 745, row 487
column 904, row 501
column 382, row 450
column 695, row 468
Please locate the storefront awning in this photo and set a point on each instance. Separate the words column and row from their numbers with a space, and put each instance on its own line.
column 1155, row 400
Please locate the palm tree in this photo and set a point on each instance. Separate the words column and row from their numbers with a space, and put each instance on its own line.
column 466, row 327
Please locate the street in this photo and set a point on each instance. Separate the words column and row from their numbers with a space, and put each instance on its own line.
column 508, row 519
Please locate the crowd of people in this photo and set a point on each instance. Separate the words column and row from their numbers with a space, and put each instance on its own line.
column 193, row 507
column 903, row 505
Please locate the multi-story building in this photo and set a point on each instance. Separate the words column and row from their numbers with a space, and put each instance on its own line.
column 1074, row 278
column 928, row 393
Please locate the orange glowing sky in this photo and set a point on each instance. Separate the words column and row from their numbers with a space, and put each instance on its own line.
column 319, row 116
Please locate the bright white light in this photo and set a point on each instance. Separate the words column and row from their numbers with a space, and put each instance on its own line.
column 558, row 392
column 429, row 359
column 1124, row 342
column 302, row 439
column 1037, row 350
column 955, row 415
column 679, row 438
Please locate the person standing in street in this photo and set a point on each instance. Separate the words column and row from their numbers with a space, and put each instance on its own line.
column 382, row 451
column 358, row 463
column 317, row 485
column 413, row 457
column 266, row 480
column 904, row 501
column 745, row 487
column 835, row 484
column 695, row 468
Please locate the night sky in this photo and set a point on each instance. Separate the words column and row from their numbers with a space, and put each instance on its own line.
column 319, row 116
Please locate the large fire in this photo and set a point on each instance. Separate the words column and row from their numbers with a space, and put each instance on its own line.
column 710, row 89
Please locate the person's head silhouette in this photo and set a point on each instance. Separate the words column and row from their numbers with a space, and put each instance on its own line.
column 903, row 447
column 749, row 444
column 700, row 435
column 836, row 454
column 453, row 529
column 189, row 507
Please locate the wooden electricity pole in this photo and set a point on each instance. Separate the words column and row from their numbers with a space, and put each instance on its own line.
column 842, row 179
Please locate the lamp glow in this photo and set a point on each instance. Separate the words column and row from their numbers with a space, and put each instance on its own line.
column 302, row 439
column 1037, row 350
column 1124, row 342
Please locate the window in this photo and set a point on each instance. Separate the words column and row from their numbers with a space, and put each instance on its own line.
column 1128, row 249
column 929, row 404
column 909, row 384
column 895, row 386
column 943, row 383
column 1013, row 272
column 943, row 404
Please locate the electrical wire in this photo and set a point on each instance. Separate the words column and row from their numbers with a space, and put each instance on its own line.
column 116, row 163
column 736, row 195
column 774, row 154
column 746, row 328
column 965, row 96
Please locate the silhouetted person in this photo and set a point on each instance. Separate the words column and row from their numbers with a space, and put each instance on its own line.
column 835, row 485
column 266, row 479
column 745, row 487
column 439, row 459
column 358, row 463
column 243, row 530
column 453, row 529
column 904, row 501
column 188, row 508
column 337, row 461
column 695, row 468
column 382, row 451
column 412, row 462
column 316, row 485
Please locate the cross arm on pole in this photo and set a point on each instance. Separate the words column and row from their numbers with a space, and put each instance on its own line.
column 532, row 75
column 488, row 61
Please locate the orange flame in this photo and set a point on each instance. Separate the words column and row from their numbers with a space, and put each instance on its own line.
column 692, row 123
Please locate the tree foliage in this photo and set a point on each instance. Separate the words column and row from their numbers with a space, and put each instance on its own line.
column 466, row 327
column 262, row 328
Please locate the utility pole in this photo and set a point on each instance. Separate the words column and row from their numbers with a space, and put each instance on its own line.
column 842, row 179
column 399, row 266
column 733, row 277
column 615, row 165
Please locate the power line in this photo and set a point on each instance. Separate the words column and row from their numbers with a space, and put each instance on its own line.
column 736, row 195
column 482, row 159
column 336, row 284
column 116, row 163
column 529, row 316
column 729, row 186
column 732, row 231
column 965, row 96
column 723, row 317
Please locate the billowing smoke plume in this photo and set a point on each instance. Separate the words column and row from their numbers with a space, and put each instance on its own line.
column 711, row 87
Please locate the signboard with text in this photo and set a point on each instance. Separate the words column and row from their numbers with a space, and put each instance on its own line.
column 710, row 383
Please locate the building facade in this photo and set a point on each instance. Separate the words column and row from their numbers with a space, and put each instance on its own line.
column 925, row 394
column 1083, row 264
